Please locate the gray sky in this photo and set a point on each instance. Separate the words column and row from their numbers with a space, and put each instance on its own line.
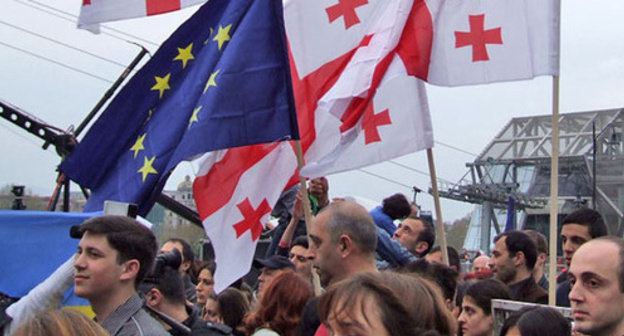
column 592, row 77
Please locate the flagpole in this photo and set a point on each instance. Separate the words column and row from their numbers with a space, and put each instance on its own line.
column 554, row 195
column 307, row 212
column 554, row 174
column 436, row 198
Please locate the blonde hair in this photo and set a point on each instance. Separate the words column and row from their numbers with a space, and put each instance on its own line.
column 64, row 322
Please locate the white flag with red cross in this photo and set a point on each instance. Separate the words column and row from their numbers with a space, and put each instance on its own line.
column 356, row 102
column 94, row 12
column 235, row 190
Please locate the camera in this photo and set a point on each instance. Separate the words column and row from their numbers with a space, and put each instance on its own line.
column 172, row 259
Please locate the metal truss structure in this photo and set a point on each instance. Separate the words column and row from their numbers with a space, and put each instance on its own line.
column 516, row 164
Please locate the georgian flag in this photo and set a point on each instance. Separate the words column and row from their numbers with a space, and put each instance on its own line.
column 235, row 190
column 94, row 12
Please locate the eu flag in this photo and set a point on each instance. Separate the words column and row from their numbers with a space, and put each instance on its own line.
column 221, row 80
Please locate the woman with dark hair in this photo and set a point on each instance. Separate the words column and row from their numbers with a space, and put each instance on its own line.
column 229, row 308
column 385, row 304
column 476, row 316
column 536, row 321
column 205, row 283
column 280, row 307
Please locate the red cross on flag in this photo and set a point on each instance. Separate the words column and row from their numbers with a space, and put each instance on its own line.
column 477, row 42
column 356, row 102
column 94, row 12
column 235, row 190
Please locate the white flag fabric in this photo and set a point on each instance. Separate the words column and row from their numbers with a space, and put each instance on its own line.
column 93, row 12
column 356, row 103
column 235, row 190
column 485, row 41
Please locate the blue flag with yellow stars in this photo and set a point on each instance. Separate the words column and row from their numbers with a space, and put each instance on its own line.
column 221, row 80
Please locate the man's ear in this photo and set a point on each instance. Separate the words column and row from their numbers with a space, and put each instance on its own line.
column 421, row 247
column 153, row 297
column 130, row 270
column 519, row 258
column 186, row 266
column 345, row 245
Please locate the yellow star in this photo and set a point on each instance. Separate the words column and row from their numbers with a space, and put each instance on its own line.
column 185, row 55
column 194, row 116
column 162, row 84
column 147, row 167
column 211, row 31
column 138, row 145
column 211, row 81
column 223, row 35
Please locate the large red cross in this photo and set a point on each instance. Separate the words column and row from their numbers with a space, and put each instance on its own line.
column 251, row 221
column 371, row 122
column 161, row 6
column 345, row 8
column 478, row 37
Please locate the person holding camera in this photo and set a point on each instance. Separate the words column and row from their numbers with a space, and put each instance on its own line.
column 113, row 256
column 188, row 258
column 164, row 293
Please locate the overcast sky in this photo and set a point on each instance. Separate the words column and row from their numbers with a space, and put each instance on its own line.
column 467, row 118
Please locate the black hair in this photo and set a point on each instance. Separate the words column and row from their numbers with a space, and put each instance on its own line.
column 427, row 234
column 518, row 241
column 537, row 321
column 171, row 286
column 483, row 291
column 396, row 206
column 300, row 241
column 442, row 275
column 589, row 218
column 187, row 250
column 452, row 255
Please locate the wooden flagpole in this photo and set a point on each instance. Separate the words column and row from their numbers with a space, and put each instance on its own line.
column 554, row 176
column 307, row 211
column 554, row 195
column 436, row 198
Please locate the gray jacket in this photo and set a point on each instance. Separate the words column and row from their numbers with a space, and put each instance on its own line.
column 131, row 319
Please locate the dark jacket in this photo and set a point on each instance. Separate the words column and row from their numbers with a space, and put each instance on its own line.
column 527, row 290
column 563, row 290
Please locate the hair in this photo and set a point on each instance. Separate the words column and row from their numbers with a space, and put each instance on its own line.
column 443, row 276
column 460, row 291
column 206, row 265
column 483, row 291
column 300, row 241
column 233, row 306
column 537, row 321
column 187, row 250
column 539, row 239
column 281, row 304
column 589, row 218
column 518, row 241
column 427, row 234
column 349, row 218
column 171, row 286
column 408, row 305
column 619, row 242
column 66, row 322
column 396, row 206
column 453, row 256
column 131, row 239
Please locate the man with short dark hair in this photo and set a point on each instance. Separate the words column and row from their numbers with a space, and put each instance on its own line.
column 597, row 277
column 114, row 254
column 416, row 235
column 435, row 256
column 542, row 256
column 165, row 294
column 513, row 259
column 188, row 257
column 577, row 228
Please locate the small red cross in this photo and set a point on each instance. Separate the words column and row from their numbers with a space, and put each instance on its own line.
column 345, row 8
column 478, row 37
column 86, row 2
column 370, row 123
column 251, row 221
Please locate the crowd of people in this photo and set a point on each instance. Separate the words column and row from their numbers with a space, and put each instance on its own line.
column 354, row 272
